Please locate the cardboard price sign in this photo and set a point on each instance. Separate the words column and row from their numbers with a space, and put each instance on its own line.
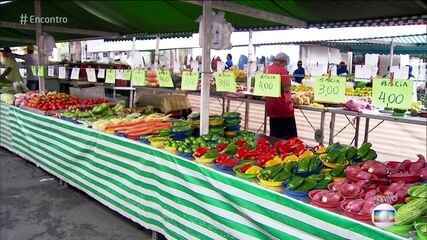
column 190, row 80
column 267, row 85
column 138, row 77
column 225, row 82
column 165, row 78
column 330, row 89
column 110, row 76
column 392, row 94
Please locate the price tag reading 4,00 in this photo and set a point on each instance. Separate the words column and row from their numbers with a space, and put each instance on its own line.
column 267, row 85
column 330, row 90
column 392, row 94
column 225, row 82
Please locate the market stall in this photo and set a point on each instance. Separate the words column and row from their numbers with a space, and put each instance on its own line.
column 167, row 193
column 187, row 193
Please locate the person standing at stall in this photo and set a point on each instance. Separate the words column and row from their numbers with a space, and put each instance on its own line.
column 30, row 60
column 229, row 62
column 280, row 110
column 11, row 78
column 299, row 73
column 342, row 69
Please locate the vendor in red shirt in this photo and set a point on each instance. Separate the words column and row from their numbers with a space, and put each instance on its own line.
column 281, row 110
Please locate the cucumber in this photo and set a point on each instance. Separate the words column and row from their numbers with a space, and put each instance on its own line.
column 418, row 191
column 411, row 211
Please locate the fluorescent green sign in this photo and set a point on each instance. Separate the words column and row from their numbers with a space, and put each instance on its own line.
column 126, row 74
column 330, row 89
column 392, row 94
column 34, row 70
column 190, row 80
column 268, row 85
column 225, row 82
column 41, row 72
column 165, row 78
column 110, row 76
column 138, row 77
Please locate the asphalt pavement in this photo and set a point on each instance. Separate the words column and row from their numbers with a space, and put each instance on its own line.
column 34, row 206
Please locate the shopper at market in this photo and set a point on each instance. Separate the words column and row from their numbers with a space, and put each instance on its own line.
column 11, row 78
column 229, row 62
column 299, row 73
column 32, row 81
column 214, row 63
column 281, row 110
column 342, row 69
column 243, row 60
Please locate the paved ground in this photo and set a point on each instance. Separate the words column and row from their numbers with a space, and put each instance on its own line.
column 32, row 208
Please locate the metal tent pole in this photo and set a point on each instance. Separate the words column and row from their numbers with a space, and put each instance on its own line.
column 157, row 52
column 250, row 62
column 39, row 40
column 206, row 76
column 391, row 52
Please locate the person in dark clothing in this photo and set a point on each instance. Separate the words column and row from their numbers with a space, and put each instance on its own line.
column 299, row 73
column 342, row 69
column 229, row 62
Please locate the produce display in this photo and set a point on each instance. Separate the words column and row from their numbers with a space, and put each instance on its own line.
column 102, row 111
column 338, row 177
column 412, row 215
column 7, row 98
column 359, row 91
column 302, row 95
column 53, row 101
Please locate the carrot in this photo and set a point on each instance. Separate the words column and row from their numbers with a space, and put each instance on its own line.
column 136, row 125
column 151, row 126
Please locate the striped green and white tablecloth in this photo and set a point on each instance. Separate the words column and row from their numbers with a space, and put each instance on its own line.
column 166, row 193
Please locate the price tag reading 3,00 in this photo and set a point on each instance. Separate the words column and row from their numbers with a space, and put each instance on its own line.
column 225, row 82
column 392, row 94
column 330, row 90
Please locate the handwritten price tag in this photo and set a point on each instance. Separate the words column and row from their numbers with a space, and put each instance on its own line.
column 51, row 71
column 267, row 85
column 165, row 78
column 330, row 90
column 90, row 73
column 138, row 77
column 110, row 76
column 61, row 73
column 392, row 94
column 75, row 72
column 190, row 80
column 225, row 82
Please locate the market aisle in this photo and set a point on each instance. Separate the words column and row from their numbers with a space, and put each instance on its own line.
column 44, row 210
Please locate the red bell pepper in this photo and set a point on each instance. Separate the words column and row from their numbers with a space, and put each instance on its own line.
column 220, row 147
column 226, row 161
column 291, row 146
column 265, row 157
column 240, row 143
column 201, row 151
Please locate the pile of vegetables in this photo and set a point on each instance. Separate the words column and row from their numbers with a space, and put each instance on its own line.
column 358, row 106
column 102, row 111
column 412, row 215
column 343, row 155
column 7, row 98
column 53, row 101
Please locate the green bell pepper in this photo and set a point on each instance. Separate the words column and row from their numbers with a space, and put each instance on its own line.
column 295, row 182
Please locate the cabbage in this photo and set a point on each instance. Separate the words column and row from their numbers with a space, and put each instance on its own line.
column 7, row 98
